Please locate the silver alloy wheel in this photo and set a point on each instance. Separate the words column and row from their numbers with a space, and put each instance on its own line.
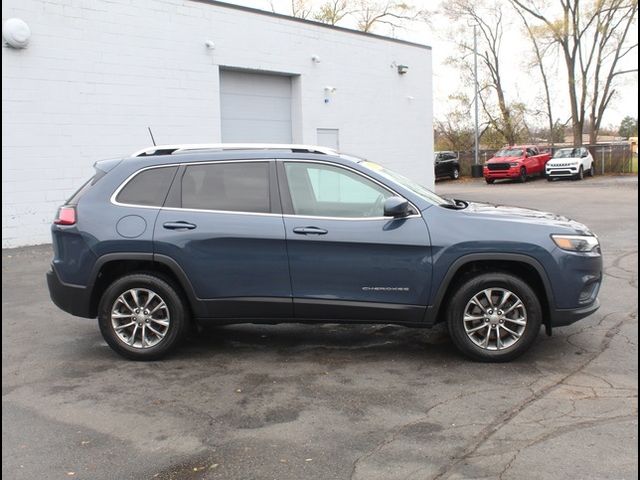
column 456, row 173
column 495, row 319
column 140, row 318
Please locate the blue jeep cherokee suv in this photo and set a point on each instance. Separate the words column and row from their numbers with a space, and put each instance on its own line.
column 271, row 234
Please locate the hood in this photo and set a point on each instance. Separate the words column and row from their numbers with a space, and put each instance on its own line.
column 525, row 215
column 504, row 159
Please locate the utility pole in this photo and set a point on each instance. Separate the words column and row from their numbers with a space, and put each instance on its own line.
column 476, row 169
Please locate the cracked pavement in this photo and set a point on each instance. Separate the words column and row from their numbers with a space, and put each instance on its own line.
column 332, row 401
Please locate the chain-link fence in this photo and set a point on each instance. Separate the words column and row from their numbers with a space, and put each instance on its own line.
column 609, row 158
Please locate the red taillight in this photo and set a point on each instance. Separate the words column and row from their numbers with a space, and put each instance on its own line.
column 66, row 216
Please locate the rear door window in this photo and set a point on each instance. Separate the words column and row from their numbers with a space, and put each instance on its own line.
column 232, row 187
column 148, row 188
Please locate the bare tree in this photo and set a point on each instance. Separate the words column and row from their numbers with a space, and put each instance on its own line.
column 540, row 50
column 612, row 27
column 299, row 8
column 489, row 19
column 454, row 131
column 394, row 14
column 593, row 41
column 333, row 11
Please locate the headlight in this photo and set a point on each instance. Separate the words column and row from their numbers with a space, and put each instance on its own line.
column 514, row 164
column 576, row 243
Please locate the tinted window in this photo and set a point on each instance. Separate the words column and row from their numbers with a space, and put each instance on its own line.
column 149, row 187
column 234, row 187
column 327, row 191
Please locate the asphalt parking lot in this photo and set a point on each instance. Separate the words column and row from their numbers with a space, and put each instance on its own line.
column 331, row 401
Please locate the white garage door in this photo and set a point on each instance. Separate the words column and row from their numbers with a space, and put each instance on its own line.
column 255, row 107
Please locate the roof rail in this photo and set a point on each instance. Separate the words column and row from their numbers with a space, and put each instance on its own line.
column 191, row 147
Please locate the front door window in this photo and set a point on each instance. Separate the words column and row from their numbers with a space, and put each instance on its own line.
column 326, row 191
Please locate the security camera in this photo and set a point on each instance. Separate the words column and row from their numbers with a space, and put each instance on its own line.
column 315, row 58
column 329, row 89
column 210, row 44
column 16, row 33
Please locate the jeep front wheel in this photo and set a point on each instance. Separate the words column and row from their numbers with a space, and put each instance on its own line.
column 494, row 317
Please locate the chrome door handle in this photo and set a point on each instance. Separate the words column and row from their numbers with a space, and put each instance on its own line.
column 179, row 226
column 310, row 231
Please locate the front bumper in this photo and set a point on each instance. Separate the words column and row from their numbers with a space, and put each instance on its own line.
column 563, row 317
column 512, row 172
column 73, row 299
column 562, row 171
column 576, row 284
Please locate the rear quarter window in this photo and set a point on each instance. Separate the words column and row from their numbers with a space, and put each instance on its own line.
column 148, row 188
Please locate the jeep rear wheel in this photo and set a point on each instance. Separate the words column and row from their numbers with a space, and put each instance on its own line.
column 141, row 316
column 494, row 317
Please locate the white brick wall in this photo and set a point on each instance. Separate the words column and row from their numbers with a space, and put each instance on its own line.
column 98, row 72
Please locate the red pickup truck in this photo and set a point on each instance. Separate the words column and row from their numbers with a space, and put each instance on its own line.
column 516, row 162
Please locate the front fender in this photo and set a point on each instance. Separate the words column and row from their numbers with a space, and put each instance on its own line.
column 443, row 277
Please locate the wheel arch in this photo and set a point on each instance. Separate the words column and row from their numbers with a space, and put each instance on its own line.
column 525, row 267
column 111, row 266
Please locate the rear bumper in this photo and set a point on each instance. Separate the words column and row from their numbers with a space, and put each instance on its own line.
column 73, row 299
column 563, row 317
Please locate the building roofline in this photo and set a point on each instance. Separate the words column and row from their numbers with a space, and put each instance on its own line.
column 311, row 22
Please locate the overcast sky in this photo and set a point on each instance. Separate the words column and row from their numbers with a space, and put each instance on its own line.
column 515, row 57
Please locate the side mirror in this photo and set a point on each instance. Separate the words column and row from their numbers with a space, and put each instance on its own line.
column 396, row 207
column 585, row 154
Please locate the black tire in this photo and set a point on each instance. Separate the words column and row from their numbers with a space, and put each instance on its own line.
column 549, row 179
column 592, row 169
column 175, row 305
column 489, row 180
column 470, row 287
column 580, row 175
column 455, row 174
column 523, row 175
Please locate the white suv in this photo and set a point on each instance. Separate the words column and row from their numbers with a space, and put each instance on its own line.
column 570, row 163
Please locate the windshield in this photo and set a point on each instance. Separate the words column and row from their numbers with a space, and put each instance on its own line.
column 413, row 187
column 510, row 152
column 567, row 153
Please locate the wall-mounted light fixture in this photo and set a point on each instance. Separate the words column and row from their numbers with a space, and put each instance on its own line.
column 210, row 44
column 328, row 91
column 16, row 33
column 315, row 58
column 402, row 69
